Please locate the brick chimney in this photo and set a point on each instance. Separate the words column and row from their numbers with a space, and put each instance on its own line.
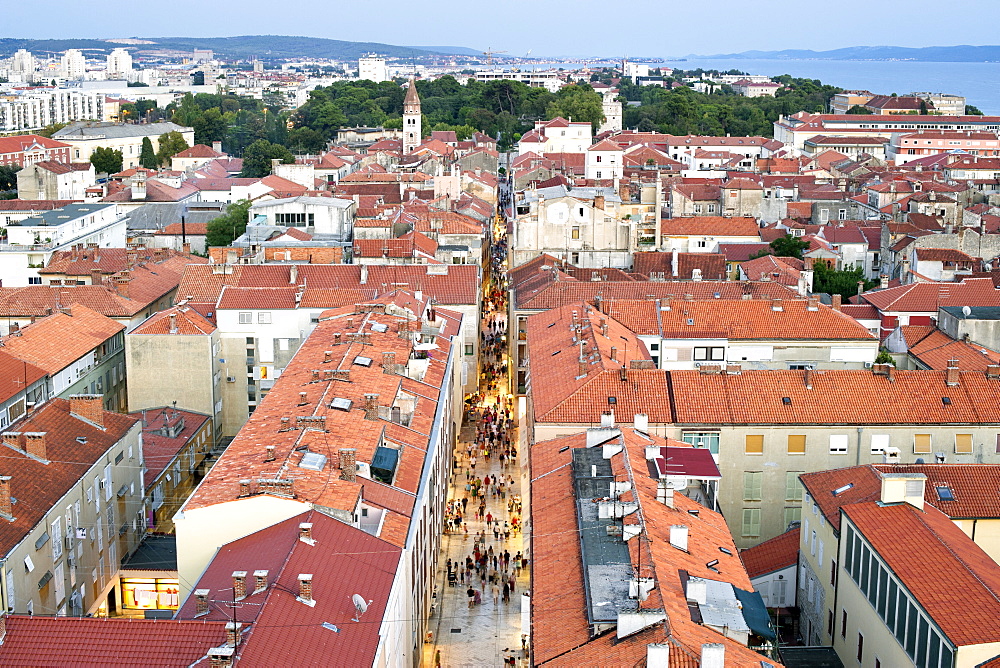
column 89, row 407
column 371, row 406
column 327, row 356
column 259, row 581
column 3, row 627
column 993, row 370
column 348, row 464
column 809, row 378
column 173, row 323
column 306, row 589
column 34, row 443
column 12, row 439
column 239, row 585
column 6, row 507
column 883, row 370
column 389, row 362
column 952, row 375
column 813, row 304
column 201, row 602
column 835, row 301
column 305, row 532
column 221, row 657
column 233, row 633
column 269, row 453
column 303, row 398
column 776, row 305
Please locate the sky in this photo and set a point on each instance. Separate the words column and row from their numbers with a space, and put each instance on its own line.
column 545, row 27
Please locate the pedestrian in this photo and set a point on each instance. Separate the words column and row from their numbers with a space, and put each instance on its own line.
column 495, row 590
column 437, row 659
column 506, row 592
column 471, row 593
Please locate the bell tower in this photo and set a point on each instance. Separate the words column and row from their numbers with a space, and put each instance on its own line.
column 411, row 118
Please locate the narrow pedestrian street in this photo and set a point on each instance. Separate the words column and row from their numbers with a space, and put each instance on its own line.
column 484, row 569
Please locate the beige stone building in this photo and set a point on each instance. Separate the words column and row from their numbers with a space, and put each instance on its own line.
column 84, row 138
column 62, row 542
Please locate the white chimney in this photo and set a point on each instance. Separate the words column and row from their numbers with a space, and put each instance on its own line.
column 641, row 422
column 679, row 536
column 713, row 655
column 890, row 455
column 608, row 419
column 673, row 262
column 364, row 274
column 697, row 591
column 903, row 487
column 658, row 655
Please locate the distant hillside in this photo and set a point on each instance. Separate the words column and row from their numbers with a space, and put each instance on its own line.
column 450, row 50
column 262, row 46
column 939, row 54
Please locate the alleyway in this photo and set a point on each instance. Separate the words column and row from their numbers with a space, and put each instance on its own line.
column 488, row 499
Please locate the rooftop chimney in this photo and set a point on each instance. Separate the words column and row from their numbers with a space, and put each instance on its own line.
column 269, row 453
column 306, row 589
column 389, row 361
column 835, row 302
column 883, row 370
column 303, row 398
column 217, row 146
column 813, row 304
column 233, row 633
column 259, row 581
column 713, row 655
column 89, row 407
column 679, row 536
column 34, row 443
column 200, row 602
column 6, row 507
column 348, row 464
column 658, row 655
column 993, row 370
column 665, row 494
column 952, row 374
column 239, row 585
column 614, row 353
column 173, row 323
column 305, row 533
column 776, row 305
column 641, row 423
column 371, row 406
column 809, row 378
column 12, row 439
column 364, row 274
column 221, row 657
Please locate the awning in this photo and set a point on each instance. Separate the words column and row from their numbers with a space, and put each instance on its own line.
column 755, row 613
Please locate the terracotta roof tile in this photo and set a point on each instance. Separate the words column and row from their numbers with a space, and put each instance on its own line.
column 928, row 297
column 772, row 555
column 711, row 225
column 57, row 341
column 188, row 323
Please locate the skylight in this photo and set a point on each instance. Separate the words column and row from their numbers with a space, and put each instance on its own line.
column 726, row 550
column 363, row 361
column 313, row 461
column 341, row 404
column 840, row 490
column 786, row 400
column 944, row 493
column 379, row 327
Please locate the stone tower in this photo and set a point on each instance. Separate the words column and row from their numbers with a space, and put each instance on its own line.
column 411, row 118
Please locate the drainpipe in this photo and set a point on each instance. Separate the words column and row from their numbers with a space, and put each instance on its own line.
column 858, row 458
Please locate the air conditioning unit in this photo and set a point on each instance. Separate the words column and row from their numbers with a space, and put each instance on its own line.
column 230, row 379
column 868, row 365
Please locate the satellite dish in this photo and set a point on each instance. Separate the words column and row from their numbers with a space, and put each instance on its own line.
column 966, row 311
column 360, row 605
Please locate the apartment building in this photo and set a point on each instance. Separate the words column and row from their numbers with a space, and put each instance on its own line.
column 557, row 136
column 872, row 600
column 62, row 542
column 82, row 351
column 359, row 427
column 36, row 109
column 648, row 574
column 83, row 138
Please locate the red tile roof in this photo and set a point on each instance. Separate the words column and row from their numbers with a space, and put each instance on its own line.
column 37, row 486
column 960, row 591
column 80, row 641
column 188, row 323
column 258, row 298
column 928, row 297
column 200, row 151
column 836, row 398
column 712, row 265
column 711, row 226
column 772, row 555
column 16, row 375
column 159, row 450
column 55, row 342
column 935, row 349
column 19, row 143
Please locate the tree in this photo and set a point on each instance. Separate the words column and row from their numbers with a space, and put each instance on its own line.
column 972, row 110
column 258, row 156
column 786, row 246
column 171, row 144
column 858, row 109
column 147, row 157
column 8, row 176
column 50, row 130
column 106, row 160
column 843, row 282
column 884, row 357
column 233, row 223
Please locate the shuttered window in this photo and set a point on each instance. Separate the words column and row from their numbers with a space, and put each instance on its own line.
column 797, row 444
column 963, row 444
column 921, row 444
column 755, row 444
column 752, row 483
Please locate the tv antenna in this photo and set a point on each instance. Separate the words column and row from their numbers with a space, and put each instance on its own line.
column 360, row 605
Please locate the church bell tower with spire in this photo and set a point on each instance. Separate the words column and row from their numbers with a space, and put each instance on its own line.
column 411, row 118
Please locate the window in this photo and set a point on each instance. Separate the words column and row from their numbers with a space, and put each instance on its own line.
column 797, row 444
column 469, row 349
column 715, row 354
column 842, row 214
column 921, row 443
column 246, row 318
column 575, row 234
column 575, row 258
column 792, row 514
column 754, row 444
column 264, row 318
column 838, row 444
column 819, row 553
column 829, row 622
column 752, row 481
column 843, row 624
column 963, row 444
column 879, row 443
column 793, row 489
column 861, row 647
column 833, row 572
column 700, row 439
column 751, row 522
column 34, row 280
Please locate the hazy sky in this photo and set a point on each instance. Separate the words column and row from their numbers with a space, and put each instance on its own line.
column 546, row 27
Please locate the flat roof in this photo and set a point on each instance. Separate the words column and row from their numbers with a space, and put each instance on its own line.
column 63, row 215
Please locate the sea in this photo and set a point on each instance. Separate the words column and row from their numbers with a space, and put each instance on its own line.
column 979, row 83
